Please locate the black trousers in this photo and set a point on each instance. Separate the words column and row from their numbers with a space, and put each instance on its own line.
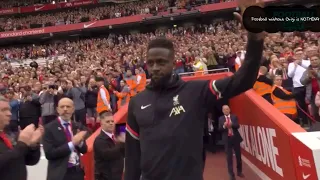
column 204, row 156
column 300, row 98
column 74, row 173
column 230, row 146
column 80, row 116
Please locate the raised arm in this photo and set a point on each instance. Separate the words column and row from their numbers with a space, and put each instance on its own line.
column 246, row 76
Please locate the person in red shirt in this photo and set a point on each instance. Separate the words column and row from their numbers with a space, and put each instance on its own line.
column 287, row 52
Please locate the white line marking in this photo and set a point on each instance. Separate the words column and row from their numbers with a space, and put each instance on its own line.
column 255, row 169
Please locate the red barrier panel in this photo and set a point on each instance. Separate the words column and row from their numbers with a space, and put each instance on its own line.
column 6, row 11
column 268, row 147
column 306, row 154
column 266, row 133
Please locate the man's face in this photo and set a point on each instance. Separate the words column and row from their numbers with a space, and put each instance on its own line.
column 298, row 55
column 226, row 110
column 5, row 114
column 314, row 60
column 160, row 62
column 65, row 109
column 128, row 73
column 122, row 83
column 92, row 82
column 107, row 124
column 83, row 79
column 5, row 79
column 63, row 85
column 69, row 84
column 278, row 80
column 286, row 49
column 100, row 83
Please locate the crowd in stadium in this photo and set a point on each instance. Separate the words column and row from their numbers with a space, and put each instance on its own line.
column 219, row 45
column 19, row 3
column 112, row 57
column 85, row 14
column 73, row 16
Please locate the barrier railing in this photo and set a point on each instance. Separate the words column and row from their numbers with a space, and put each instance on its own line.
column 211, row 71
column 269, row 146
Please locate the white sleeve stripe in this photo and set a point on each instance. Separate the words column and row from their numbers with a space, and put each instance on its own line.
column 216, row 89
column 132, row 135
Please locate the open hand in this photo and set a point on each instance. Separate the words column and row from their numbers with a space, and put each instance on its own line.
column 25, row 135
column 76, row 140
column 243, row 4
column 121, row 138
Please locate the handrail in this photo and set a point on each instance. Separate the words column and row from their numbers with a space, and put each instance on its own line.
column 206, row 71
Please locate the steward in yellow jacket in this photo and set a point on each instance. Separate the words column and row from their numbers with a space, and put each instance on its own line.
column 283, row 100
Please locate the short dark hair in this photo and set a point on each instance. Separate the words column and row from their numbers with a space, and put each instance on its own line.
column 99, row 79
column 161, row 43
column 105, row 113
column 314, row 55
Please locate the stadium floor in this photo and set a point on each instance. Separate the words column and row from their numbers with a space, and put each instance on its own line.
column 216, row 169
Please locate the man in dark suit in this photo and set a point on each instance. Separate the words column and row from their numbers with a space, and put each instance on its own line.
column 108, row 150
column 63, row 142
column 229, row 125
column 13, row 159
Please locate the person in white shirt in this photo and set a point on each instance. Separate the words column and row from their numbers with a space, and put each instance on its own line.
column 295, row 71
column 239, row 59
column 204, row 64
